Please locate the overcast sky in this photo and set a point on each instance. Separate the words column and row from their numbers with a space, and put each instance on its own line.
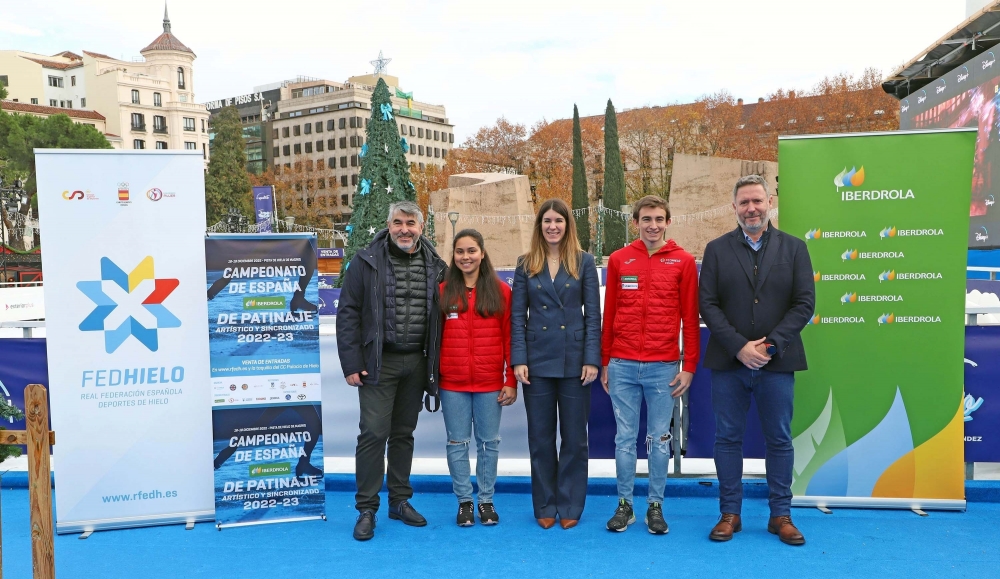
column 521, row 59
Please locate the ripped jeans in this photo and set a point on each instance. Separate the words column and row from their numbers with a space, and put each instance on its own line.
column 629, row 382
column 465, row 412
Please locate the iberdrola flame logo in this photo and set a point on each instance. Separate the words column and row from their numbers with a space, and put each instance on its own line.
column 849, row 254
column 816, row 276
column 853, row 178
column 887, row 232
column 886, row 319
column 814, row 234
column 849, row 298
column 888, row 275
column 814, row 320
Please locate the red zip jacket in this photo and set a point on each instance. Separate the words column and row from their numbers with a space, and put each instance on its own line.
column 646, row 298
column 475, row 351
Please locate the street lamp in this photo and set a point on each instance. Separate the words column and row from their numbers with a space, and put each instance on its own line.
column 627, row 210
column 453, row 217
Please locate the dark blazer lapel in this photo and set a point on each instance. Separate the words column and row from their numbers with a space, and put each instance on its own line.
column 546, row 281
column 736, row 241
column 770, row 254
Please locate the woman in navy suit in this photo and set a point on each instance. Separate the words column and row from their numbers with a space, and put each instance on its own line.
column 555, row 351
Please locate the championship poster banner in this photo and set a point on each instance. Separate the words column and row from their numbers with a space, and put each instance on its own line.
column 126, row 336
column 879, row 415
column 263, row 206
column 263, row 326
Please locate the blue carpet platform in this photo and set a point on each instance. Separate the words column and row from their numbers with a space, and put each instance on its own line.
column 847, row 543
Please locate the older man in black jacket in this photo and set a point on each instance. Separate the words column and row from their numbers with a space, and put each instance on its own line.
column 756, row 295
column 388, row 338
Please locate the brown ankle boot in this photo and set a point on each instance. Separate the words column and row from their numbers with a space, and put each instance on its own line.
column 728, row 524
column 786, row 531
column 546, row 523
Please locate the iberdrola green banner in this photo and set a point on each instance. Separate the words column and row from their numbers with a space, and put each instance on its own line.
column 878, row 415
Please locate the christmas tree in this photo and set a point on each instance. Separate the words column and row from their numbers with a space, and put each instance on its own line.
column 614, row 182
column 580, row 199
column 385, row 176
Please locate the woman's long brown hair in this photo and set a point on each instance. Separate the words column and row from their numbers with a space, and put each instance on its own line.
column 569, row 247
column 489, row 302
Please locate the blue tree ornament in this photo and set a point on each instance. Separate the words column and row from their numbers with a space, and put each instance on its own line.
column 386, row 109
column 366, row 186
column 404, row 145
column 364, row 150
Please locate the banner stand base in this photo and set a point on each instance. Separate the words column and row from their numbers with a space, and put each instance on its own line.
column 134, row 522
column 879, row 503
column 221, row 526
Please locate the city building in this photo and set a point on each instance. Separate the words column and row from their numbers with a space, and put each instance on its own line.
column 255, row 110
column 149, row 101
column 78, row 116
column 319, row 128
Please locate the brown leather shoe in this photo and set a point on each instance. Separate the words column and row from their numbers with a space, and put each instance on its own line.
column 786, row 531
column 568, row 523
column 546, row 523
column 728, row 524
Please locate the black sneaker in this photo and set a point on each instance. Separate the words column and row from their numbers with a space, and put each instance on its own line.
column 465, row 517
column 654, row 520
column 404, row 511
column 364, row 529
column 487, row 514
column 623, row 517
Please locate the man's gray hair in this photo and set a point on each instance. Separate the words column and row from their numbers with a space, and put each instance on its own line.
column 407, row 208
column 751, row 180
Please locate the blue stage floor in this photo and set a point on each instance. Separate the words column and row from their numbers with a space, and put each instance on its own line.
column 848, row 543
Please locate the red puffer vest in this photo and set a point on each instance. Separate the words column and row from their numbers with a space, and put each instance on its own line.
column 646, row 298
column 475, row 351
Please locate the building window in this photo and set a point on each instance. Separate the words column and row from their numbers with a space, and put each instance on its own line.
column 343, row 161
column 402, row 130
column 72, row 81
column 83, row 102
column 321, row 184
column 274, row 134
column 309, row 128
column 284, row 132
column 161, row 145
column 422, row 167
column 62, row 104
column 451, row 137
column 188, row 123
column 354, row 179
column 189, row 146
column 135, row 97
column 203, row 125
column 286, row 150
column 420, row 150
column 275, row 152
column 437, row 152
column 343, row 198
column 343, row 142
column 296, row 131
column 138, row 144
column 180, row 77
column 444, row 153
column 420, row 132
column 436, row 135
column 309, row 146
column 343, row 123
column 413, row 149
column 56, row 81
column 53, row 103
column 331, row 162
column 69, row 104
column 204, row 151
column 343, row 183
column 319, row 146
column 319, row 126
column 354, row 142
column 331, row 144
column 4, row 81
column 413, row 130
column 157, row 99
column 309, row 165
column 354, row 122
column 354, row 160
column 138, row 122
column 329, row 125
column 297, row 148
column 159, row 124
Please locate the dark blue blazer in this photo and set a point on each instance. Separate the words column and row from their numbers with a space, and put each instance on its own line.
column 556, row 325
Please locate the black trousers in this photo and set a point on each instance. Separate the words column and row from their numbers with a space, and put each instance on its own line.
column 389, row 412
column 558, row 481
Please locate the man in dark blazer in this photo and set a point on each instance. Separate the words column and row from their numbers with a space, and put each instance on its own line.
column 756, row 295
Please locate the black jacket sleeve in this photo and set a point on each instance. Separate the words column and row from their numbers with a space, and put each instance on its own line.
column 803, row 298
column 519, row 317
column 350, row 342
column 591, row 311
column 710, row 306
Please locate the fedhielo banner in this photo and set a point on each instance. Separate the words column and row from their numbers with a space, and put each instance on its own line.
column 263, row 205
column 127, row 336
column 265, row 363
column 879, row 414
column 981, row 399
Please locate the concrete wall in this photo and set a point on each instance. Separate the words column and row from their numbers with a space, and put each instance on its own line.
column 493, row 195
column 701, row 184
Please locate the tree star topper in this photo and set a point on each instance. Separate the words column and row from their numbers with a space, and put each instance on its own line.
column 380, row 63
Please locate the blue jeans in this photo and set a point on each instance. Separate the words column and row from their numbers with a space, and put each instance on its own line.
column 629, row 382
column 463, row 411
column 774, row 393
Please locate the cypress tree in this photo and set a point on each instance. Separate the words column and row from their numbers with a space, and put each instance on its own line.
column 227, row 184
column 614, row 182
column 580, row 199
column 384, row 178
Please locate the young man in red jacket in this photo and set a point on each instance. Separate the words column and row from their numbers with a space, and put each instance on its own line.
column 652, row 292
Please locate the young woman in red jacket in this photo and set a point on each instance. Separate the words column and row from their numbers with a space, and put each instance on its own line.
column 476, row 379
